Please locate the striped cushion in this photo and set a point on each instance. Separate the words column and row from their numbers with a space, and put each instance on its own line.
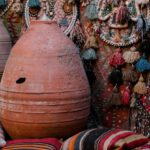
column 35, row 144
column 104, row 139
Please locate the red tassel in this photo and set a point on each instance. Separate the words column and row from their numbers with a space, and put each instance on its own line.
column 122, row 14
column 126, row 96
column 117, row 59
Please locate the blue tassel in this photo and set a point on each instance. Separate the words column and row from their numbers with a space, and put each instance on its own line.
column 34, row 4
column 142, row 65
column 89, row 54
column 91, row 11
column 2, row 4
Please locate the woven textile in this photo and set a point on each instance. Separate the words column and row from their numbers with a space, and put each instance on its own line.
column 37, row 144
column 105, row 139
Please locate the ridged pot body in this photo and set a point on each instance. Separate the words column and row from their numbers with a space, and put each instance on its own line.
column 5, row 47
column 44, row 90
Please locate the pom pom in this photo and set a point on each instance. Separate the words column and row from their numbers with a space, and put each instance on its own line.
column 131, row 56
column 125, row 96
column 117, row 59
column 115, row 78
column 89, row 54
column 34, row 4
column 142, row 65
column 115, row 98
column 2, row 4
column 140, row 87
column 91, row 11
column 129, row 74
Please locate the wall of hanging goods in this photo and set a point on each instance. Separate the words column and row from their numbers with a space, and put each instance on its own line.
column 113, row 38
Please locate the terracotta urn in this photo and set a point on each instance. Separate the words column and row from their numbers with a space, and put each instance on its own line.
column 5, row 46
column 44, row 90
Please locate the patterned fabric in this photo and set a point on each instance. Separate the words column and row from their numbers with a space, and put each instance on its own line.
column 105, row 139
column 36, row 144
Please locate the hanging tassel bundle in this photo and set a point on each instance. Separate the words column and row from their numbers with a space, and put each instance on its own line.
column 2, row 4
column 142, row 25
column 90, row 47
column 117, row 59
column 115, row 77
column 115, row 98
column 142, row 65
column 133, row 100
column 129, row 74
column 140, row 87
column 125, row 96
column 91, row 42
column 122, row 14
column 34, row 4
column 131, row 56
column 91, row 11
column 89, row 54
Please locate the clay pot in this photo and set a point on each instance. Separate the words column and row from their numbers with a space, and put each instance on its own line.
column 5, row 46
column 44, row 91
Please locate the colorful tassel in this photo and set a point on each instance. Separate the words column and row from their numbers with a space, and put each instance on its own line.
column 34, row 4
column 91, row 42
column 142, row 25
column 117, row 59
column 125, row 96
column 129, row 74
column 140, row 87
column 142, row 65
column 91, row 11
column 122, row 14
column 115, row 78
column 89, row 54
column 2, row 4
column 115, row 98
column 131, row 56
column 133, row 100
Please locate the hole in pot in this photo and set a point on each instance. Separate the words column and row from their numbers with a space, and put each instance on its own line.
column 21, row 80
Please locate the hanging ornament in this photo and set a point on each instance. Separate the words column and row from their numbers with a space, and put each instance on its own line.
column 115, row 98
column 133, row 100
column 116, row 59
column 131, row 56
column 2, row 4
column 129, row 74
column 125, row 96
column 115, row 77
column 89, row 54
column 91, row 11
column 142, row 65
column 91, row 44
column 140, row 87
column 122, row 14
column 34, row 4
column 142, row 25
